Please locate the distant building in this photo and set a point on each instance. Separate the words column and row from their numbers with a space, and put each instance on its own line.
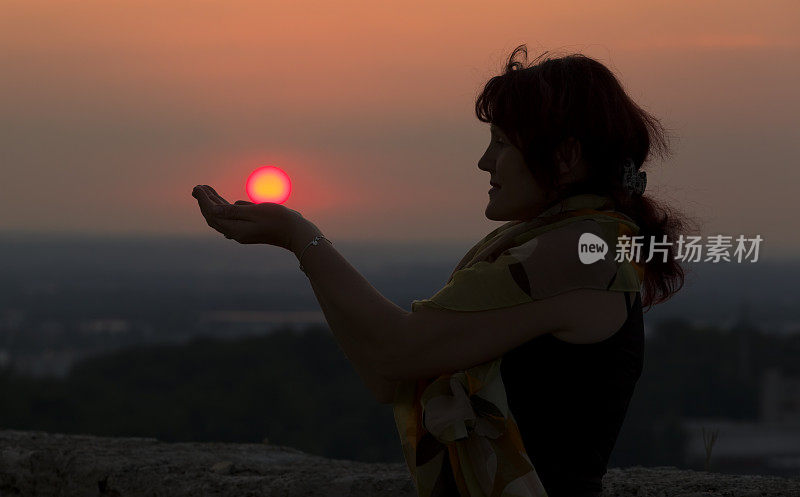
column 770, row 445
column 236, row 323
column 110, row 326
column 45, row 363
column 780, row 398
column 743, row 331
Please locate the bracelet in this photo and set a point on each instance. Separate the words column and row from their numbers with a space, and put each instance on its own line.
column 315, row 241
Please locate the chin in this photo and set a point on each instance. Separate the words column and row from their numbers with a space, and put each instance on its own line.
column 495, row 216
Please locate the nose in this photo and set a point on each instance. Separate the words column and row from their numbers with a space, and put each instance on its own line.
column 484, row 164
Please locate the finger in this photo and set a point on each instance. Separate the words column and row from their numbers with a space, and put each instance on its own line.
column 210, row 209
column 214, row 212
column 242, row 202
column 202, row 199
column 213, row 195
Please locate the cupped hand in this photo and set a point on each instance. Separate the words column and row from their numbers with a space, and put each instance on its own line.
column 246, row 222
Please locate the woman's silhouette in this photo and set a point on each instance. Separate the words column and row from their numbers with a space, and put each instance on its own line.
column 515, row 378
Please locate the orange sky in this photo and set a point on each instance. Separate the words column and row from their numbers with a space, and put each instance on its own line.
column 113, row 111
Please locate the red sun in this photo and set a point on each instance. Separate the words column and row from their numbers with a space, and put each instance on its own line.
column 268, row 184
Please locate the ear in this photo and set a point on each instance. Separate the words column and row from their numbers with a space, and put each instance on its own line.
column 568, row 156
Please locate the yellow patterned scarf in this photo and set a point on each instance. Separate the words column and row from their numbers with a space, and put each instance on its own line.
column 457, row 432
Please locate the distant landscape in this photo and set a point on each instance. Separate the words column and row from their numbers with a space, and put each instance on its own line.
column 65, row 296
column 205, row 339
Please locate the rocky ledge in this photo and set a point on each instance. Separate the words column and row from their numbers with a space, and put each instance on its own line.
column 46, row 464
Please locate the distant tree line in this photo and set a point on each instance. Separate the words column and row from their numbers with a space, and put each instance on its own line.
column 298, row 389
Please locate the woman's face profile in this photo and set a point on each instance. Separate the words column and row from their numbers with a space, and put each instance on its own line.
column 519, row 196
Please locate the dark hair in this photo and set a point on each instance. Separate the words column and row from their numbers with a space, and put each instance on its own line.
column 542, row 104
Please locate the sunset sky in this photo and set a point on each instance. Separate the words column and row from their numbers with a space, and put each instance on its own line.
column 113, row 111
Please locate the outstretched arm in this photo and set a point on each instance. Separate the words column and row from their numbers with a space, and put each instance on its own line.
column 383, row 339
column 387, row 343
column 347, row 299
column 362, row 320
column 382, row 389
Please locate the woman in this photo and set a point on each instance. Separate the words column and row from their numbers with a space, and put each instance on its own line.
column 514, row 378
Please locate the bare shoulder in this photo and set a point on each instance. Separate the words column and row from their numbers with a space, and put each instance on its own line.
column 598, row 315
column 581, row 315
column 444, row 340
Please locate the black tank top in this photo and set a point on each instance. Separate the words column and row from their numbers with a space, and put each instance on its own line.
column 569, row 401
